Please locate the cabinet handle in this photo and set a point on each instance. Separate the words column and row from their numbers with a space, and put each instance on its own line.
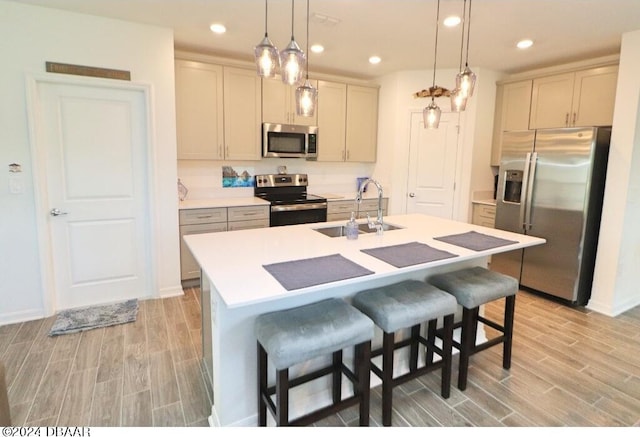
column 566, row 119
column 347, row 155
column 203, row 216
column 226, row 151
column 343, row 156
column 574, row 118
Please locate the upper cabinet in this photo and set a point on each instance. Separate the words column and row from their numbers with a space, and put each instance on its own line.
column 582, row 98
column 279, row 103
column 242, row 133
column 362, row 123
column 199, row 110
column 217, row 112
column 347, row 122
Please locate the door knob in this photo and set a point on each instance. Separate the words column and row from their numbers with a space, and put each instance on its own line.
column 56, row 212
column 412, row 194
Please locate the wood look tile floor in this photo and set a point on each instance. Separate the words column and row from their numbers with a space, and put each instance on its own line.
column 571, row 367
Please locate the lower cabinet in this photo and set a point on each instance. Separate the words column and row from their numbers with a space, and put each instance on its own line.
column 205, row 220
column 341, row 209
column 484, row 215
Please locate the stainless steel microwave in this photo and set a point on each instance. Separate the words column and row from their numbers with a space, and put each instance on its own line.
column 289, row 141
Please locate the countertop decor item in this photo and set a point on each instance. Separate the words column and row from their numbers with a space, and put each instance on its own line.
column 182, row 191
column 100, row 316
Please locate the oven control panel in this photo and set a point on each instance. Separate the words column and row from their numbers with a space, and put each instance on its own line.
column 281, row 180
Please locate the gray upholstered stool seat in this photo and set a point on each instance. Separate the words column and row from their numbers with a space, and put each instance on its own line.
column 300, row 334
column 402, row 305
column 473, row 287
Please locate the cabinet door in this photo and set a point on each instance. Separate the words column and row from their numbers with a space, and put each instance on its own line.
column 362, row 124
column 241, row 114
column 189, row 268
column 594, row 95
column 199, row 110
column 279, row 103
column 513, row 104
column 332, row 111
column 551, row 101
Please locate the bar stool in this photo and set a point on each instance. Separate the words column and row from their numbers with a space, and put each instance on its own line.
column 402, row 305
column 473, row 287
column 300, row 334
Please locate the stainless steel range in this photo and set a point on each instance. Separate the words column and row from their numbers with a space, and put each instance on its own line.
column 290, row 203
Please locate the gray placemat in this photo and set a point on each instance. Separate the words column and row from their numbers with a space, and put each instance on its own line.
column 315, row 271
column 475, row 241
column 408, row 254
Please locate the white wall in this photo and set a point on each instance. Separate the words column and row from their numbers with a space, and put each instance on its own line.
column 615, row 285
column 30, row 36
column 397, row 103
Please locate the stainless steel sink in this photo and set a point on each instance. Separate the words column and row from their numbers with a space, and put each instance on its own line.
column 363, row 228
column 334, row 231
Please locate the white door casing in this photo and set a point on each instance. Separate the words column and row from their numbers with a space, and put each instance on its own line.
column 91, row 153
column 432, row 166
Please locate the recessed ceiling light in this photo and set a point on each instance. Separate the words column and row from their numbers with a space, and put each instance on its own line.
column 524, row 44
column 375, row 60
column 317, row 48
column 218, row 28
column 452, row 21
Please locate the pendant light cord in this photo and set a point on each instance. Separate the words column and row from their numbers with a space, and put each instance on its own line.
column 266, row 13
column 464, row 22
column 466, row 63
column 435, row 54
column 292, row 20
column 307, row 39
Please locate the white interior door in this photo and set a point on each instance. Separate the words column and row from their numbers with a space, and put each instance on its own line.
column 92, row 142
column 432, row 166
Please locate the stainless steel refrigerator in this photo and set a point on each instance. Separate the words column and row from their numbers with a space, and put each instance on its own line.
column 550, row 185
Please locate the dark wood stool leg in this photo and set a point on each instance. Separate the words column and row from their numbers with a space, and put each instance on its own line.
column 282, row 397
column 262, row 385
column 336, row 388
column 509, row 310
column 447, row 346
column 467, row 337
column 431, row 339
column 387, row 377
column 413, row 354
column 363, row 370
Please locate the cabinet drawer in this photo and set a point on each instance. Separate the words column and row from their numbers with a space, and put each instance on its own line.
column 248, row 224
column 239, row 213
column 343, row 206
column 487, row 211
column 203, row 215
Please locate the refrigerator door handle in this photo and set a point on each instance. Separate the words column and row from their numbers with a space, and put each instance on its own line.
column 533, row 159
column 523, row 193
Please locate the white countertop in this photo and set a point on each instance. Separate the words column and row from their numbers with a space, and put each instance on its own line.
column 224, row 202
column 490, row 202
column 233, row 260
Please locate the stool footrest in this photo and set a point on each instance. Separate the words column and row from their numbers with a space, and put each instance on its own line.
column 324, row 412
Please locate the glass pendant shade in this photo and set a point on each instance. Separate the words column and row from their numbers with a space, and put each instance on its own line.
column 292, row 64
column 306, row 96
column 267, row 58
column 458, row 101
column 431, row 115
column 466, row 82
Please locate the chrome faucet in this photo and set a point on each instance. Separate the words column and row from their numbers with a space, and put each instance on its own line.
column 378, row 224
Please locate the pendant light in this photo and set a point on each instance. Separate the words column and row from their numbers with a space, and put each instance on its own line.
column 431, row 114
column 306, row 94
column 292, row 60
column 266, row 54
column 466, row 79
column 458, row 100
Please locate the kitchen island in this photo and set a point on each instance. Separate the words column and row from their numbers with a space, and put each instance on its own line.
column 236, row 288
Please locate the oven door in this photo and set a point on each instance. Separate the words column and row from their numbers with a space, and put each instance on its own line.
column 295, row 214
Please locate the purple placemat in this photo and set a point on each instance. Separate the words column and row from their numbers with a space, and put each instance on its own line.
column 315, row 271
column 475, row 241
column 408, row 254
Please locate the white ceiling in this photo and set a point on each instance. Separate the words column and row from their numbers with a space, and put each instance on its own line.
column 401, row 32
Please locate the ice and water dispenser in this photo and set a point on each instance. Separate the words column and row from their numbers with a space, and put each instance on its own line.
column 512, row 186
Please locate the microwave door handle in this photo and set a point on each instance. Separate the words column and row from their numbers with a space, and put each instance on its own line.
column 530, row 182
